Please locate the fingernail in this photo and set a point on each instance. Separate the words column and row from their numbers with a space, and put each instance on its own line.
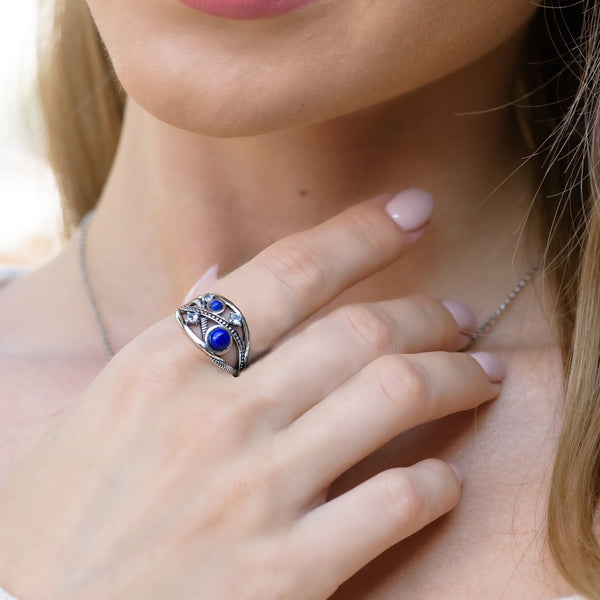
column 410, row 209
column 203, row 284
column 463, row 315
column 457, row 471
column 492, row 365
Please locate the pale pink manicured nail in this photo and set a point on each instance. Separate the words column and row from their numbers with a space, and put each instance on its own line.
column 457, row 471
column 410, row 209
column 203, row 284
column 492, row 365
column 463, row 315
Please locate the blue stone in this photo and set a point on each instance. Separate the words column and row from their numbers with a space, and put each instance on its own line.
column 219, row 339
column 216, row 305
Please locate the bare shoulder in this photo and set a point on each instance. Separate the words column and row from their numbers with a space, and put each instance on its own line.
column 42, row 369
column 33, row 389
column 40, row 363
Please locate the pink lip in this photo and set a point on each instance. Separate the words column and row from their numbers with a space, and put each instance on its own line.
column 245, row 9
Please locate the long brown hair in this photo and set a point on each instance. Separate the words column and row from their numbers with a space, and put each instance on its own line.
column 82, row 105
column 559, row 87
column 565, row 119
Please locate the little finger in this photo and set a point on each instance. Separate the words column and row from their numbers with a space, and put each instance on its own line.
column 338, row 538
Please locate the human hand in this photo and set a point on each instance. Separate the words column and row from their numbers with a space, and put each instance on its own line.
column 170, row 479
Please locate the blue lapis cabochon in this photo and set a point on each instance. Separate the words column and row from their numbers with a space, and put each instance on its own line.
column 216, row 305
column 219, row 339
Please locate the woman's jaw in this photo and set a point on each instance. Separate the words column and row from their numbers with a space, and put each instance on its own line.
column 246, row 9
column 233, row 78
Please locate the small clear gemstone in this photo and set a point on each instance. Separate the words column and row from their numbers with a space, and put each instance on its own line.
column 235, row 319
column 206, row 298
column 192, row 318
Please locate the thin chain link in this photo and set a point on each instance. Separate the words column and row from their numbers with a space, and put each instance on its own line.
column 109, row 349
column 506, row 302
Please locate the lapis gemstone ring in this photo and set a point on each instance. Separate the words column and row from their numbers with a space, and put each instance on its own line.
column 218, row 327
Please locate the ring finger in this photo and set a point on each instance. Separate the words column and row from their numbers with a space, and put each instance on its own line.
column 391, row 395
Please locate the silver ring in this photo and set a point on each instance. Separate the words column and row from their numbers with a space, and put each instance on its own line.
column 216, row 325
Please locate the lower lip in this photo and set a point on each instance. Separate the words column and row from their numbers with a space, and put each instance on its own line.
column 246, row 9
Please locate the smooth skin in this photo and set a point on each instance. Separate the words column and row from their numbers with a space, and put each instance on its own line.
column 318, row 110
column 239, row 78
column 167, row 479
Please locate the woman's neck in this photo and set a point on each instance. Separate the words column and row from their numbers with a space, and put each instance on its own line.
column 177, row 202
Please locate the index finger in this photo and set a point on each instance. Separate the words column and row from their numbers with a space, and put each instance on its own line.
column 296, row 276
column 293, row 278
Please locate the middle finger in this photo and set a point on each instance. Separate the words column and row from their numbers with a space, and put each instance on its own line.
column 309, row 365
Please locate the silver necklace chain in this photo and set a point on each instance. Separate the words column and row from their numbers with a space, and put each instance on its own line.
column 109, row 349
column 506, row 302
column 83, row 227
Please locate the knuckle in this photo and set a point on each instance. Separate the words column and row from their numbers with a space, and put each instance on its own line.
column 438, row 318
column 444, row 487
column 404, row 499
column 137, row 378
column 363, row 223
column 369, row 326
column 401, row 382
column 453, row 487
column 133, row 379
column 425, row 302
column 296, row 266
column 148, row 366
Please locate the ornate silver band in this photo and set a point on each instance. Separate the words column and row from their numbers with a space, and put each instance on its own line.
column 217, row 326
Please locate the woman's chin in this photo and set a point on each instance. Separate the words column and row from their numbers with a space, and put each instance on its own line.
column 216, row 115
column 236, row 104
column 227, row 116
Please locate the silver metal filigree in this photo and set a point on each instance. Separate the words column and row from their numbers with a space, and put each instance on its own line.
column 198, row 321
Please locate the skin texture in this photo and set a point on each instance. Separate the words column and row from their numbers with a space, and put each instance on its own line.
column 225, row 78
column 314, row 112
